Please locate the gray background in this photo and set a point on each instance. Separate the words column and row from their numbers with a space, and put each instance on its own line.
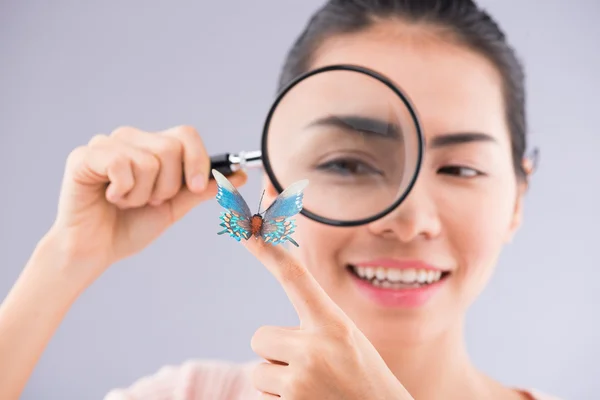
column 69, row 70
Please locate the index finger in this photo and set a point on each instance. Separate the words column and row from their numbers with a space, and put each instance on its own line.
column 196, row 161
column 311, row 302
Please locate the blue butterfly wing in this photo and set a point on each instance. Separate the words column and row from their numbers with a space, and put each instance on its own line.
column 235, row 225
column 278, row 225
column 236, row 220
column 228, row 196
column 277, row 231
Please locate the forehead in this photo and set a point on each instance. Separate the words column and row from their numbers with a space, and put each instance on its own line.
column 453, row 88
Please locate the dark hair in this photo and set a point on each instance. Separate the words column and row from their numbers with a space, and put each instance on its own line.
column 470, row 25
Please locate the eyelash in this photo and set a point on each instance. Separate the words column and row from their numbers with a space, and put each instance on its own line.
column 340, row 166
column 456, row 170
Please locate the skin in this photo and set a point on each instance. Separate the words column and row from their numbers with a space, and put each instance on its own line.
column 452, row 220
column 345, row 347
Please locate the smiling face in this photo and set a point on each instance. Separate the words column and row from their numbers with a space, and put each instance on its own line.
column 429, row 259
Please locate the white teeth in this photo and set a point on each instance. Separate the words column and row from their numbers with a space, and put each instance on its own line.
column 397, row 278
column 394, row 275
column 409, row 275
column 430, row 276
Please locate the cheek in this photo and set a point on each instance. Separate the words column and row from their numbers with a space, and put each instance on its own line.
column 476, row 226
column 320, row 247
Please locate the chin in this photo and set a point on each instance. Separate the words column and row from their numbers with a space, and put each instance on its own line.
column 411, row 326
column 387, row 324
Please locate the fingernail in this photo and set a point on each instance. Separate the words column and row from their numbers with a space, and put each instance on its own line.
column 198, row 182
column 155, row 202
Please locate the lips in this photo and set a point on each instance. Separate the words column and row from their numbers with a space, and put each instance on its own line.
column 398, row 283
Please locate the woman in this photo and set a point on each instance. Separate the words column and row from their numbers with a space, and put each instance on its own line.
column 122, row 190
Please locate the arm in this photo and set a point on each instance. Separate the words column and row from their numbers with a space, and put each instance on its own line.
column 119, row 193
column 31, row 313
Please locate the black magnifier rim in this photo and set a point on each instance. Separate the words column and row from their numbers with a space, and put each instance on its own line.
column 373, row 74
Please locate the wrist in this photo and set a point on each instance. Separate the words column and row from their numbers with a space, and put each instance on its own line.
column 56, row 262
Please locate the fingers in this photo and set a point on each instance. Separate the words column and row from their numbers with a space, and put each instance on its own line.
column 196, row 161
column 276, row 344
column 168, row 154
column 129, row 171
column 309, row 299
column 270, row 379
column 100, row 164
column 136, row 168
column 178, row 149
column 146, row 168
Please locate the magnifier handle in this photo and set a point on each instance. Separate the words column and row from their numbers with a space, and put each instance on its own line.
column 222, row 163
column 228, row 163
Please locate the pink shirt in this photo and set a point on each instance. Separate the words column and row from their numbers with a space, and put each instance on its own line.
column 207, row 380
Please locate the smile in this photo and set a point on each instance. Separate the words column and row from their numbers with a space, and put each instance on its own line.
column 394, row 278
column 398, row 287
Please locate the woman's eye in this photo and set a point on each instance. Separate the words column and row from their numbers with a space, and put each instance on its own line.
column 348, row 167
column 460, row 171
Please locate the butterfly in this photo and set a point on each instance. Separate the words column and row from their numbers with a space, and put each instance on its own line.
column 273, row 225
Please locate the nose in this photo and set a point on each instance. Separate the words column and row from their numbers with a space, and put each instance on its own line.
column 416, row 218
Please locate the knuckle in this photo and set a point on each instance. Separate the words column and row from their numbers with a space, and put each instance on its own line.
column 186, row 131
column 123, row 131
column 341, row 335
column 340, row 330
column 191, row 139
column 258, row 338
column 149, row 163
column 77, row 155
column 118, row 160
column 97, row 140
column 169, row 147
column 292, row 271
column 118, row 157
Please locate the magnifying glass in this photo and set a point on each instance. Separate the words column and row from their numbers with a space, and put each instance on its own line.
column 351, row 132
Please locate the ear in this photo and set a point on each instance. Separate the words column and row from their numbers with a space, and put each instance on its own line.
column 522, row 186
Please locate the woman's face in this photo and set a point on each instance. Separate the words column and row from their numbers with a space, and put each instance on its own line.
column 434, row 254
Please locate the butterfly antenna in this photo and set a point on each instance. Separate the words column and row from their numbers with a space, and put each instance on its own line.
column 260, row 202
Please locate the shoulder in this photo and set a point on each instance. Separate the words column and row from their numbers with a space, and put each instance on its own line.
column 192, row 380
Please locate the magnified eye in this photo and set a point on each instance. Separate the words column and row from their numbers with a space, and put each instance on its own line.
column 348, row 167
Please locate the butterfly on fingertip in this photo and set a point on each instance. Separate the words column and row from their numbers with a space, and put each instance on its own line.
column 274, row 225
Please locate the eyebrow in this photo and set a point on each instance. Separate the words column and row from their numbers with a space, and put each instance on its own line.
column 360, row 124
column 452, row 139
column 382, row 128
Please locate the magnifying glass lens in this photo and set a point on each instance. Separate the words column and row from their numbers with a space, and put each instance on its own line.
column 353, row 136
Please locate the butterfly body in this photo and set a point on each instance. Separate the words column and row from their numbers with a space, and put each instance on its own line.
column 274, row 225
column 256, row 224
